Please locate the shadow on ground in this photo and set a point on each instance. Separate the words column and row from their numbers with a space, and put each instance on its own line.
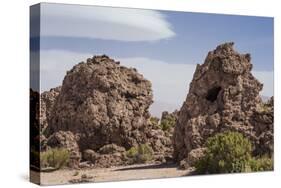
column 153, row 166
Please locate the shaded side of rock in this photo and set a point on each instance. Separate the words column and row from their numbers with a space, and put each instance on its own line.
column 262, row 120
column 47, row 101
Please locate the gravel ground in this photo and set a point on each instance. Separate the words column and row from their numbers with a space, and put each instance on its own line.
column 121, row 173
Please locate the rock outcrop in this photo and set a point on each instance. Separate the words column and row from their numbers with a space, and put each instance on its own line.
column 262, row 122
column 105, row 106
column 47, row 101
column 223, row 95
column 103, row 103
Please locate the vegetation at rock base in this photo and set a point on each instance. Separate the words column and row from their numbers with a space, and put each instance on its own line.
column 140, row 154
column 167, row 123
column 230, row 152
column 260, row 164
column 264, row 107
column 154, row 121
column 54, row 158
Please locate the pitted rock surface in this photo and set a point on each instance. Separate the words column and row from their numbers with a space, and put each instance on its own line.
column 66, row 139
column 223, row 95
column 47, row 101
column 105, row 105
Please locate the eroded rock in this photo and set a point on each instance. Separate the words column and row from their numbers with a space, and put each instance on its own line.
column 105, row 105
column 223, row 95
column 47, row 101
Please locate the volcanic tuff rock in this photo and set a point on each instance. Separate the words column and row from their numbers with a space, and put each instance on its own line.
column 223, row 95
column 104, row 105
column 47, row 101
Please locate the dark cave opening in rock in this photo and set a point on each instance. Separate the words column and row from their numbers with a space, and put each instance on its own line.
column 212, row 94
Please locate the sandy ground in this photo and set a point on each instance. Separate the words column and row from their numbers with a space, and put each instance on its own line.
column 133, row 172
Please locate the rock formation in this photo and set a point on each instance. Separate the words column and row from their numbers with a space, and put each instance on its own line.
column 105, row 106
column 223, row 95
column 103, row 103
column 47, row 101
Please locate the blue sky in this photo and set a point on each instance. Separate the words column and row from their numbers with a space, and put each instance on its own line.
column 148, row 38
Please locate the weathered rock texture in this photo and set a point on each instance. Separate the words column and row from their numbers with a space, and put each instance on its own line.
column 223, row 95
column 66, row 139
column 103, row 103
column 105, row 106
column 47, row 101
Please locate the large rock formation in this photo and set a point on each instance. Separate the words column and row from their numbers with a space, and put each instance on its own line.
column 223, row 95
column 103, row 104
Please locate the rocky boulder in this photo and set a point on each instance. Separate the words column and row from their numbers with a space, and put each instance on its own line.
column 103, row 103
column 223, row 95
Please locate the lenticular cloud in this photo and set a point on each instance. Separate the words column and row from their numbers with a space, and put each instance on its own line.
column 104, row 23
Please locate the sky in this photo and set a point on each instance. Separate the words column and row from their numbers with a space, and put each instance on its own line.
column 164, row 46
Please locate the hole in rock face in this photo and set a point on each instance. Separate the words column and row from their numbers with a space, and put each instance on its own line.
column 212, row 94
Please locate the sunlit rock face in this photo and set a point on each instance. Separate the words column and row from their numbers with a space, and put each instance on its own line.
column 223, row 95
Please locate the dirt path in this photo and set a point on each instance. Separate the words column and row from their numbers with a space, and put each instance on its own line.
column 146, row 171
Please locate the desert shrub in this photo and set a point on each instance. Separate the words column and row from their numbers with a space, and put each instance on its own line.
column 260, row 164
column 264, row 107
column 132, row 152
column 226, row 153
column 140, row 154
column 154, row 121
column 55, row 158
column 168, row 122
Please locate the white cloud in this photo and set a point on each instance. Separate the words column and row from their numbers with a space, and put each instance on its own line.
column 55, row 63
column 121, row 24
column 170, row 82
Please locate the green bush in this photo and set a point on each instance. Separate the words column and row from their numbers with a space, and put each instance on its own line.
column 260, row 164
column 140, row 154
column 168, row 122
column 231, row 152
column 264, row 107
column 132, row 152
column 55, row 158
column 226, row 153
column 154, row 121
